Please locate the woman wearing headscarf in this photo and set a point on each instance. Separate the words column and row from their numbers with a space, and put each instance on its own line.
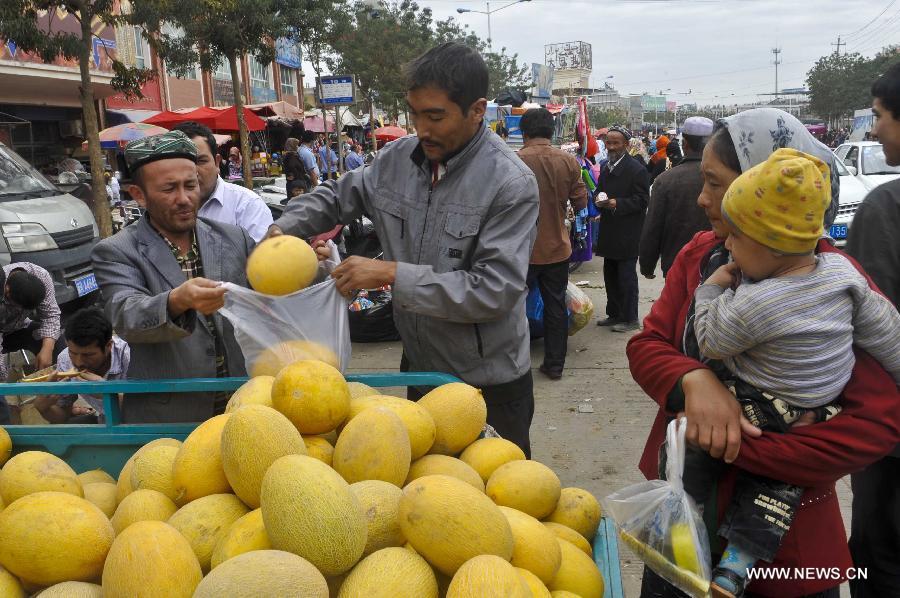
column 658, row 162
column 294, row 172
column 665, row 360
column 637, row 151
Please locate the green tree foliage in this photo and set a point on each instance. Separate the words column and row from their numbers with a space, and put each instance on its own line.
column 839, row 83
column 19, row 22
column 605, row 117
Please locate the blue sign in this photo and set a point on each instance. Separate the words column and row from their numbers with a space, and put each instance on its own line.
column 336, row 90
column 262, row 95
column 287, row 53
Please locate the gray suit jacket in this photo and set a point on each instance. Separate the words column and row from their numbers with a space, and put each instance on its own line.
column 136, row 270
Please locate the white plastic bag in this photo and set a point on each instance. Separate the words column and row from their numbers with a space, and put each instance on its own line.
column 580, row 306
column 274, row 331
column 660, row 522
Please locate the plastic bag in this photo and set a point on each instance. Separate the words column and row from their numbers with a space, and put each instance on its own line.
column 660, row 522
column 274, row 331
column 580, row 308
column 372, row 317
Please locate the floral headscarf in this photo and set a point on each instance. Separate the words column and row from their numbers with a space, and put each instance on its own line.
column 636, row 148
column 759, row 132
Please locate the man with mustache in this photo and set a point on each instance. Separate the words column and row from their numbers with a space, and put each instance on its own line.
column 160, row 280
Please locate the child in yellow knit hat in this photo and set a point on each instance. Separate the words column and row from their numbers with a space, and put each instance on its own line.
column 783, row 320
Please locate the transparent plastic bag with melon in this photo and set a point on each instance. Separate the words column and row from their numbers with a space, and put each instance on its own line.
column 275, row 331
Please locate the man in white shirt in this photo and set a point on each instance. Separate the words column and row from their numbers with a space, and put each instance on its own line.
column 220, row 200
column 92, row 353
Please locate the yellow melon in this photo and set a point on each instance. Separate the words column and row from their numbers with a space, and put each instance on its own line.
column 205, row 521
column 535, row 547
column 36, row 471
column 255, row 391
column 244, row 535
column 579, row 510
column 487, row 576
column 566, row 533
column 282, row 265
column 150, row 559
column 485, row 455
column 448, row 522
column 5, row 446
column 253, row 438
column 313, row 395
column 95, row 476
column 380, row 501
column 310, row 510
column 418, row 422
column 50, row 537
column 142, row 505
column 197, row 470
column 373, row 446
column 277, row 357
column 527, row 486
column 563, row 594
column 389, row 573
column 319, row 448
column 263, row 573
column 10, row 587
column 123, row 485
column 577, row 573
column 102, row 495
column 153, row 470
column 72, row 589
column 459, row 414
column 537, row 587
column 444, row 465
column 359, row 390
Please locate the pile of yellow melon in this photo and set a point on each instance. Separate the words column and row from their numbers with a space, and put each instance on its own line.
column 306, row 486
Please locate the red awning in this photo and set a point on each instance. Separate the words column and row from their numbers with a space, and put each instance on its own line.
column 217, row 119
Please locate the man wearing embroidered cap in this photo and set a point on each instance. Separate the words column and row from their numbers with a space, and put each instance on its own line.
column 160, row 281
column 784, row 321
column 674, row 217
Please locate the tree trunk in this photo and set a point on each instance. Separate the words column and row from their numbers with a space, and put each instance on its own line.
column 242, row 124
column 98, row 184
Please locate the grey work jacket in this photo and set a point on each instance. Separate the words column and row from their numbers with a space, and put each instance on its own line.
column 462, row 249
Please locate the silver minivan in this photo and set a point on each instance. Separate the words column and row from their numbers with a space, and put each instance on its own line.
column 45, row 226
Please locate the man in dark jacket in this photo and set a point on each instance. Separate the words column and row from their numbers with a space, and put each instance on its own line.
column 674, row 216
column 622, row 198
column 874, row 241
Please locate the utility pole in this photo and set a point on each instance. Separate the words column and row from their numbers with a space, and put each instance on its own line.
column 838, row 46
column 777, row 53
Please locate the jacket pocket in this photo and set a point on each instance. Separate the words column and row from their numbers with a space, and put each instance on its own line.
column 395, row 216
column 458, row 241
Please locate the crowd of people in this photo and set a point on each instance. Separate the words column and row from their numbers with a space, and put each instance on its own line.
column 781, row 351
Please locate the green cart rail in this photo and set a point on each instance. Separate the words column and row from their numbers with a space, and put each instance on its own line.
column 109, row 445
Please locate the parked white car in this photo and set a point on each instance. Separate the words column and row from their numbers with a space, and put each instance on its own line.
column 853, row 192
column 865, row 161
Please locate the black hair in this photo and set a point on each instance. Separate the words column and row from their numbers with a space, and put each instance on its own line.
column 887, row 89
column 25, row 289
column 723, row 148
column 537, row 122
column 192, row 129
column 695, row 143
column 454, row 68
column 308, row 136
column 89, row 326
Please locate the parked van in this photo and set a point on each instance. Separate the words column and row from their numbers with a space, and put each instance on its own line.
column 45, row 226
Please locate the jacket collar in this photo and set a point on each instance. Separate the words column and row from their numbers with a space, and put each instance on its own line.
column 459, row 160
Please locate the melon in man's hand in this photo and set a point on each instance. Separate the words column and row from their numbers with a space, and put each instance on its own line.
column 282, row 265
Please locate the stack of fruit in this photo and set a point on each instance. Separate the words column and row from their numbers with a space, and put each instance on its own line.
column 306, row 486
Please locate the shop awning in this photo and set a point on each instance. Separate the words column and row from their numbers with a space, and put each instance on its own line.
column 217, row 119
column 280, row 109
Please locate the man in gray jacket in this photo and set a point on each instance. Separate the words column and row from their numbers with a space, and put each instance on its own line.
column 160, row 281
column 456, row 213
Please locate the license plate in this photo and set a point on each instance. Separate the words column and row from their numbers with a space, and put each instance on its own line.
column 838, row 231
column 86, row 284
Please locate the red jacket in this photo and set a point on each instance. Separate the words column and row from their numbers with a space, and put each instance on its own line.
column 813, row 456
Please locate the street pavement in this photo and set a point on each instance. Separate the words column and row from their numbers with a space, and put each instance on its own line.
column 589, row 427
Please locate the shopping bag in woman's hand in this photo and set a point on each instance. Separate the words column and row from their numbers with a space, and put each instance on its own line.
column 276, row 331
column 660, row 522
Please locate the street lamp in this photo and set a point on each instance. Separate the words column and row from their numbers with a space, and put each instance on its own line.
column 489, row 12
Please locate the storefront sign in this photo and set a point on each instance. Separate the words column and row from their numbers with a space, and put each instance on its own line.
column 287, row 53
column 59, row 20
column 263, row 94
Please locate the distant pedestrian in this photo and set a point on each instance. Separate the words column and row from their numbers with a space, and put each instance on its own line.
column 295, row 173
column 638, row 150
column 235, row 163
column 559, row 182
column 623, row 193
column 355, row 158
column 674, row 216
column 657, row 164
column 329, row 160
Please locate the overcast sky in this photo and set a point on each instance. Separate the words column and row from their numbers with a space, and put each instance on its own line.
column 708, row 47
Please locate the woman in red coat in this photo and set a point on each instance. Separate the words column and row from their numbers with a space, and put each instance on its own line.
column 665, row 362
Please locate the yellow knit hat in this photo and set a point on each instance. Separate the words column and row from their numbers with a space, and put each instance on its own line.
column 781, row 203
